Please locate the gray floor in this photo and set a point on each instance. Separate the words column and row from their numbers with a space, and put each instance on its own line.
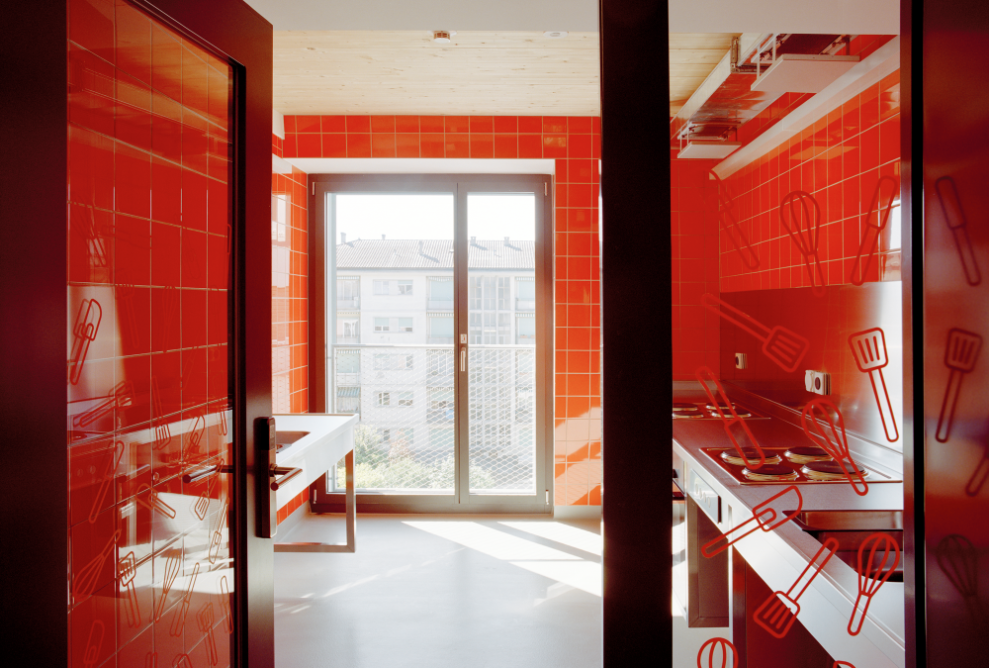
column 441, row 592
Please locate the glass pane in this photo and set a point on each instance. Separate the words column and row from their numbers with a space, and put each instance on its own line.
column 501, row 259
column 150, row 566
column 392, row 358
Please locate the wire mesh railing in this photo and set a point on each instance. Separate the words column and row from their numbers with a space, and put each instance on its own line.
column 405, row 441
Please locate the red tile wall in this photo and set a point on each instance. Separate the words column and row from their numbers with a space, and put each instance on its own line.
column 575, row 144
column 694, row 239
column 146, row 342
column 289, row 292
column 839, row 160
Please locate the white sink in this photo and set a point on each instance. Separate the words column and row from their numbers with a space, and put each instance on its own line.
column 314, row 443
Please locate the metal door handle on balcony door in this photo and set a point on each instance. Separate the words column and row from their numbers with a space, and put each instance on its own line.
column 463, row 358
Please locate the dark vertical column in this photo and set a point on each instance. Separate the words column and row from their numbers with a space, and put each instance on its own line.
column 912, row 220
column 33, row 170
column 636, row 331
column 954, row 103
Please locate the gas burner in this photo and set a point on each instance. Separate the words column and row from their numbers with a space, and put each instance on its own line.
column 695, row 414
column 770, row 473
column 680, row 407
column 751, row 457
column 829, row 471
column 810, row 453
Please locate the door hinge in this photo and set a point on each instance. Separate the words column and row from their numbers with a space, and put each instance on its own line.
column 547, row 497
column 314, row 188
column 545, row 188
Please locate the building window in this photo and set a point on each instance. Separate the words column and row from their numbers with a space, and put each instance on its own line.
column 384, row 398
column 348, row 361
column 393, row 362
column 348, row 292
column 401, row 325
column 525, row 293
column 489, row 303
column 348, row 327
column 348, row 399
column 405, row 398
column 440, row 328
column 382, row 287
column 440, row 404
column 405, row 287
column 439, row 365
column 440, row 293
column 525, row 329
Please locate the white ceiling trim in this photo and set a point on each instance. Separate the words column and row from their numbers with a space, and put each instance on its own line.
column 884, row 61
column 419, row 166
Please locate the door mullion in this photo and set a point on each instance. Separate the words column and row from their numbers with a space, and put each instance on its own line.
column 461, row 360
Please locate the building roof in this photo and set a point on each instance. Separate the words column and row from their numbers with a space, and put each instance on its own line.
column 433, row 254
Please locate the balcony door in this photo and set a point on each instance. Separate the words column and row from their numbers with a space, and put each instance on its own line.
column 436, row 293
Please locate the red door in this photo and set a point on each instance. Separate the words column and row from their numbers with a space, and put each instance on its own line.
column 167, row 121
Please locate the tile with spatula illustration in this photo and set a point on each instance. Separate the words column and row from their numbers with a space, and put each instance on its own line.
column 960, row 356
column 869, row 351
column 784, row 347
column 780, row 610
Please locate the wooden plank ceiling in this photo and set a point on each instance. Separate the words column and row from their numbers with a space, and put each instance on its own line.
column 482, row 73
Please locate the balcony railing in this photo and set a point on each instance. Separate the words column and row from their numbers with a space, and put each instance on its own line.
column 525, row 304
column 439, row 304
column 348, row 304
column 405, row 438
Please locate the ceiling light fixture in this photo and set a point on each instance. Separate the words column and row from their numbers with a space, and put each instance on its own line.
column 443, row 36
column 555, row 34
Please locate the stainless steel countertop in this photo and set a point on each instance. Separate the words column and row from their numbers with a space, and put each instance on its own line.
column 781, row 555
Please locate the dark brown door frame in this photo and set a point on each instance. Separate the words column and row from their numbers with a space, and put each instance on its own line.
column 636, row 330
column 912, row 220
column 32, row 391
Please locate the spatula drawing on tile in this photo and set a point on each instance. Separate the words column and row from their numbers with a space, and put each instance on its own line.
column 783, row 347
column 960, row 356
column 869, row 351
column 780, row 610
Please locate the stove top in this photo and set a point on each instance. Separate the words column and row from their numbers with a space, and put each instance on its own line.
column 703, row 410
column 789, row 466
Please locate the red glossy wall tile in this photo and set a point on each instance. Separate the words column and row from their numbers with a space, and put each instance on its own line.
column 145, row 338
column 838, row 161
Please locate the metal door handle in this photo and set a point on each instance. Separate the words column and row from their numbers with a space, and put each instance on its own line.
column 463, row 358
column 285, row 474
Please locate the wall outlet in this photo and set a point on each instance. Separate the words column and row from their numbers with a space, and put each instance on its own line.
column 741, row 361
column 818, row 382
